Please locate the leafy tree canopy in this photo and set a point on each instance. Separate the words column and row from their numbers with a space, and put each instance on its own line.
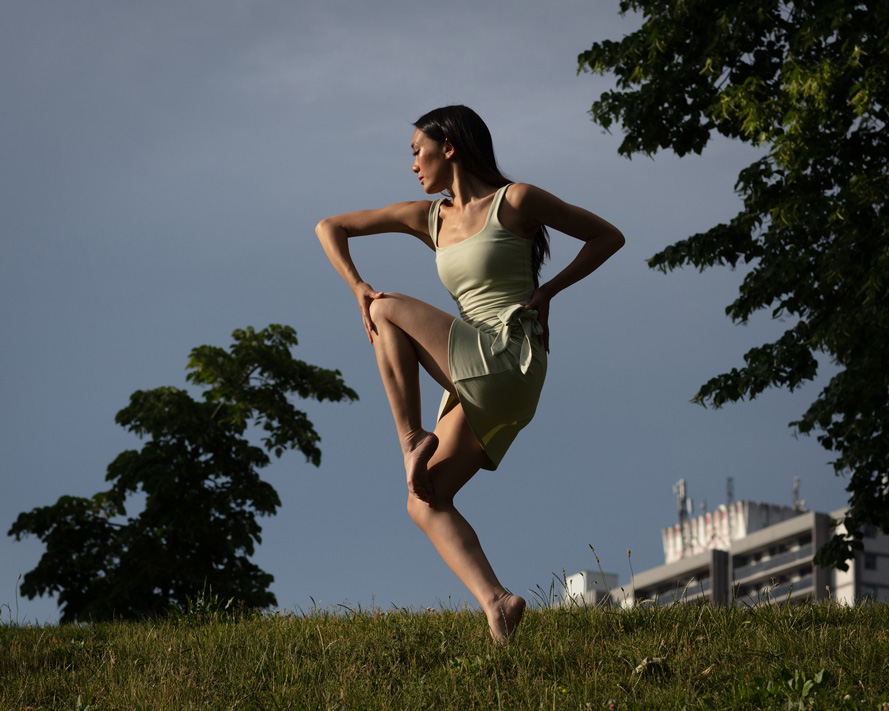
column 198, row 475
column 808, row 81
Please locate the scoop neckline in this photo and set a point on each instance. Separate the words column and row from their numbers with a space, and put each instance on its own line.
column 476, row 234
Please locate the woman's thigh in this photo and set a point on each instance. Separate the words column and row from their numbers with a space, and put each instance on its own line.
column 458, row 457
column 427, row 327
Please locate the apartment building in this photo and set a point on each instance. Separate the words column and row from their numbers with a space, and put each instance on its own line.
column 746, row 552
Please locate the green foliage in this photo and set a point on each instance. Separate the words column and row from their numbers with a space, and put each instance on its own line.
column 794, row 689
column 198, row 476
column 206, row 607
column 816, row 656
column 808, row 82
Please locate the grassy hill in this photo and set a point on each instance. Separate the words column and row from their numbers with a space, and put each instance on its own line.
column 815, row 656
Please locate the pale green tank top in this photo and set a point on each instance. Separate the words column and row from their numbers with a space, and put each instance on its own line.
column 486, row 272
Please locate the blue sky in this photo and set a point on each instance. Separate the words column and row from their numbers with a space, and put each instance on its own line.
column 164, row 165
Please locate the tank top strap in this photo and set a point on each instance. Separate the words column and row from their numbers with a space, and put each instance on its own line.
column 433, row 220
column 495, row 205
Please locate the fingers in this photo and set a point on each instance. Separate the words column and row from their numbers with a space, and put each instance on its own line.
column 368, row 323
column 543, row 318
column 540, row 303
column 544, row 337
column 365, row 297
column 365, row 320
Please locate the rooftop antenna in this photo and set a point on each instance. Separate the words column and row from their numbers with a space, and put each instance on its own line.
column 682, row 505
column 729, row 499
column 798, row 503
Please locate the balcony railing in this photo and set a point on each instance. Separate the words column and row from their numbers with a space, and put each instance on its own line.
column 692, row 589
column 778, row 561
column 779, row 593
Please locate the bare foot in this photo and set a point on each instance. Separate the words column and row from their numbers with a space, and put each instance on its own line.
column 505, row 617
column 418, row 450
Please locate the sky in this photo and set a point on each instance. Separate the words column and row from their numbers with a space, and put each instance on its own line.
column 163, row 167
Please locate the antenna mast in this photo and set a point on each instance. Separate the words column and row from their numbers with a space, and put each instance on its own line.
column 798, row 503
column 729, row 501
column 682, row 504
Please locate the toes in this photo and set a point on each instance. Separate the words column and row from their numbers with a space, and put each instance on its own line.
column 423, row 492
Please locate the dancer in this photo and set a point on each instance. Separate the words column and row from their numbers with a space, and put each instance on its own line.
column 490, row 239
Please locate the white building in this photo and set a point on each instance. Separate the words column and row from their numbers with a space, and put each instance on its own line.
column 746, row 552
column 868, row 577
column 717, row 529
column 590, row 587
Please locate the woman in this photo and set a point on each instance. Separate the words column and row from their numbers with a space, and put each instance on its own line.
column 490, row 239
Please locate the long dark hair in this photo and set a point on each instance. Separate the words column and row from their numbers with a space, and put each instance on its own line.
column 470, row 137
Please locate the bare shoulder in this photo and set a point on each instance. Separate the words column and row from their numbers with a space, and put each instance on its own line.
column 528, row 207
column 518, row 192
column 537, row 206
column 530, row 200
column 514, row 214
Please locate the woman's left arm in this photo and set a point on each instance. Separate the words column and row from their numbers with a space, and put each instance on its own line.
column 601, row 240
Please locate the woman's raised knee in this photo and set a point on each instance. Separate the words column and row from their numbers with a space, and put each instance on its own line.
column 421, row 512
column 418, row 510
column 377, row 310
column 381, row 309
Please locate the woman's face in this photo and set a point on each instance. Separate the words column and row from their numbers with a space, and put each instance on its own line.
column 431, row 163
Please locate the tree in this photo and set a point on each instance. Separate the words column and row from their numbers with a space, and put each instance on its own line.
column 199, row 477
column 808, row 82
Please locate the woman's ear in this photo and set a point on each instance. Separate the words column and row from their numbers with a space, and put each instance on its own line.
column 449, row 150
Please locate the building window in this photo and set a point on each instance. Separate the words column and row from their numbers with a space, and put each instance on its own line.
column 870, row 561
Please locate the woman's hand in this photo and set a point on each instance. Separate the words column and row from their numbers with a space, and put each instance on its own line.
column 365, row 295
column 540, row 303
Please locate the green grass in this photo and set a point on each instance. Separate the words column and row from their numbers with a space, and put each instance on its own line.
column 818, row 656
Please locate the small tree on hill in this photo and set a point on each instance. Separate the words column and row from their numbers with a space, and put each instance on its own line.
column 199, row 477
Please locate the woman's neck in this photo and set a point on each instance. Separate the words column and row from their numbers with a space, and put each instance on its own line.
column 466, row 188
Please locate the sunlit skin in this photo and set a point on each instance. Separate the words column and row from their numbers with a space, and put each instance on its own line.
column 407, row 333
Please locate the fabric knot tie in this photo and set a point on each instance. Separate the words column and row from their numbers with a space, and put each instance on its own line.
column 509, row 317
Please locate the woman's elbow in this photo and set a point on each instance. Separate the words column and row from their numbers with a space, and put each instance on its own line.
column 329, row 228
column 616, row 239
column 322, row 227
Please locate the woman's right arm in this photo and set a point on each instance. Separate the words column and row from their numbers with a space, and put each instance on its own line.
column 334, row 233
